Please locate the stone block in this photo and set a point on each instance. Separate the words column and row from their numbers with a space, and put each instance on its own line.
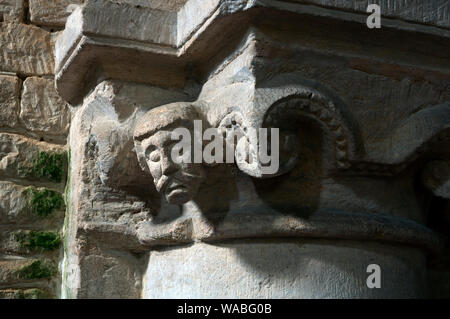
column 51, row 12
column 22, row 157
column 113, row 274
column 11, row 10
column 26, row 242
column 55, row 12
column 31, row 293
column 20, row 205
column 9, row 269
column 9, row 100
column 43, row 111
column 26, row 49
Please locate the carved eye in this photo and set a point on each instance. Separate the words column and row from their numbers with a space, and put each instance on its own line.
column 154, row 156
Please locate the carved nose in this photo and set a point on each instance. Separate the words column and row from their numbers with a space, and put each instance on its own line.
column 168, row 167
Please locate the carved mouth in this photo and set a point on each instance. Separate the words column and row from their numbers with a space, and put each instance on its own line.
column 177, row 193
column 174, row 186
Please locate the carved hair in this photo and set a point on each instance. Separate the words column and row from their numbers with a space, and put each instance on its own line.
column 166, row 116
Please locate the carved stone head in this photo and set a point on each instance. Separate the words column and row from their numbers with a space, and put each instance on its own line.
column 178, row 181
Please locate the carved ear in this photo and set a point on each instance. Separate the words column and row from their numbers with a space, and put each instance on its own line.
column 140, row 156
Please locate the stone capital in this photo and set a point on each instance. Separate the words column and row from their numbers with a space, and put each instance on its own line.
column 359, row 132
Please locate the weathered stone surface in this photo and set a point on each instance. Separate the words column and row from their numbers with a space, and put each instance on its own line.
column 29, row 206
column 22, row 157
column 31, row 293
column 435, row 12
column 26, row 242
column 142, row 24
column 42, row 110
column 114, row 274
column 9, row 269
column 359, row 119
column 299, row 269
column 51, row 12
column 9, row 100
column 11, row 10
column 171, row 5
column 26, row 49
column 55, row 12
column 13, row 269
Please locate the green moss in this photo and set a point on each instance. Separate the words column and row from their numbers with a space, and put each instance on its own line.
column 37, row 270
column 38, row 240
column 42, row 202
column 46, row 165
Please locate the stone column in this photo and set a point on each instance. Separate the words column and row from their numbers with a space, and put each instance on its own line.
column 363, row 118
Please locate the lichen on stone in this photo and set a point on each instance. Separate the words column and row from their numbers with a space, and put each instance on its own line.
column 37, row 270
column 38, row 240
column 43, row 202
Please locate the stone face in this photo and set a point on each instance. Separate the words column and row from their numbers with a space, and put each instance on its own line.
column 9, row 100
column 42, row 110
column 26, row 49
column 11, row 10
column 153, row 149
column 51, row 12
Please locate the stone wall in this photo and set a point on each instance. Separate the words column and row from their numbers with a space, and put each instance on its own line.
column 34, row 123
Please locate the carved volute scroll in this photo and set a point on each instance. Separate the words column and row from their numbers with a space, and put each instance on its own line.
column 285, row 112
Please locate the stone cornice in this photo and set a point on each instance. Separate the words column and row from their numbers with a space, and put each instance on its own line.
column 139, row 38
